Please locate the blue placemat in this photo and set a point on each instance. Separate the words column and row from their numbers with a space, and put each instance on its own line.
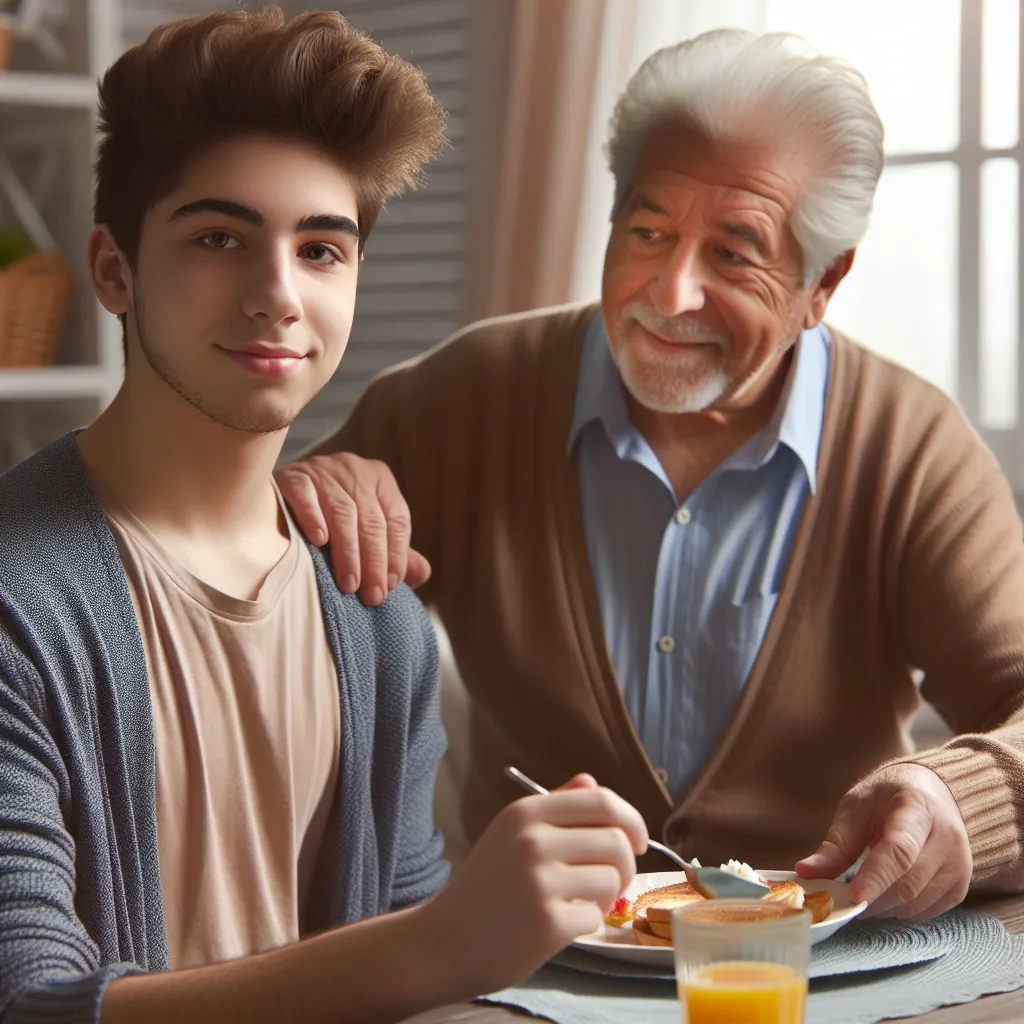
column 955, row 958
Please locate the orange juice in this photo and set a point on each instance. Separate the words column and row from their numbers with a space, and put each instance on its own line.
column 744, row 992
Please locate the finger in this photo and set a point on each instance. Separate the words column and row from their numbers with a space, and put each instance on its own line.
column 914, row 889
column 935, row 894
column 904, row 834
column 884, row 906
column 418, row 569
column 940, row 906
column 399, row 529
column 299, row 493
column 594, row 883
column 342, row 520
column 373, row 547
column 588, row 806
column 947, row 889
column 576, row 919
column 583, row 780
column 846, row 839
column 606, row 846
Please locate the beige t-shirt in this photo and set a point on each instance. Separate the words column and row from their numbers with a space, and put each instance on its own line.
column 247, row 723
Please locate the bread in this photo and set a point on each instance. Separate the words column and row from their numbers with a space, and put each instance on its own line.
column 789, row 893
column 667, row 897
column 643, row 935
column 652, row 910
column 820, row 904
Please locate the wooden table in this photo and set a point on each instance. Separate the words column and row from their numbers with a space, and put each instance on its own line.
column 990, row 1010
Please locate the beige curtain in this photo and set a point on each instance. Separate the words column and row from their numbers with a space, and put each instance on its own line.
column 535, row 68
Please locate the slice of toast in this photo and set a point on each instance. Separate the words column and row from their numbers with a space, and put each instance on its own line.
column 665, row 898
column 643, row 936
column 820, row 904
column 789, row 893
column 657, row 905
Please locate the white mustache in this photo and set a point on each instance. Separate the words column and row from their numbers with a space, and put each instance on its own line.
column 681, row 328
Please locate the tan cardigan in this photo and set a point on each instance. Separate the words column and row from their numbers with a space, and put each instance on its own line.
column 909, row 556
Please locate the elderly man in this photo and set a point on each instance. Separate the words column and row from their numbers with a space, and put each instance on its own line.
column 698, row 543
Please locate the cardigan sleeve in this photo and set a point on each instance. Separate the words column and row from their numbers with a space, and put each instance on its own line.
column 420, row 870
column 49, row 966
column 960, row 593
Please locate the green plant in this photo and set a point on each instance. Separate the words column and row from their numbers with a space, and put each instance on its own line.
column 13, row 245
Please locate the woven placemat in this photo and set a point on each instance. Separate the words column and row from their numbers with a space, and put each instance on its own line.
column 859, row 946
column 980, row 959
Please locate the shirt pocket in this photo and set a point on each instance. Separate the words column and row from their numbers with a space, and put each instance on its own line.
column 758, row 583
column 745, row 617
column 741, row 627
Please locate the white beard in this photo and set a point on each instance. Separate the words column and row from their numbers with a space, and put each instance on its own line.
column 658, row 385
column 684, row 381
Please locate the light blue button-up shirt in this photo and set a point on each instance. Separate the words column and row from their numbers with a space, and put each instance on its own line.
column 686, row 591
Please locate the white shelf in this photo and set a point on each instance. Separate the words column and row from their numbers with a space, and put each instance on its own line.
column 38, row 89
column 49, row 382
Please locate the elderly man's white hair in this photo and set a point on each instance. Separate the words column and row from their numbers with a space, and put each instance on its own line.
column 732, row 84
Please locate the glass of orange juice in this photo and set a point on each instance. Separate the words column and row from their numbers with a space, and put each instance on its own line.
column 741, row 961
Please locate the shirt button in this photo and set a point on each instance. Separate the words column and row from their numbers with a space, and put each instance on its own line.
column 683, row 516
column 662, row 774
column 666, row 645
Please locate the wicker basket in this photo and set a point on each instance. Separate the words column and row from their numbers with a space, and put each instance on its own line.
column 34, row 294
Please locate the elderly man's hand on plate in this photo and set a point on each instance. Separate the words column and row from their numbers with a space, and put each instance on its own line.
column 920, row 861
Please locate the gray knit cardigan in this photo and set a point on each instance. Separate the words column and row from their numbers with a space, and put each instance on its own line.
column 80, row 899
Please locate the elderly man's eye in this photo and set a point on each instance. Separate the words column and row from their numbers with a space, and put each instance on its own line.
column 730, row 257
column 646, row 234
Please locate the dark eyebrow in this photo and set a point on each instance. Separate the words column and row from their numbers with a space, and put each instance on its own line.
column 229, row 208
column 749, row 235
column 224, row 206
column 327, row 222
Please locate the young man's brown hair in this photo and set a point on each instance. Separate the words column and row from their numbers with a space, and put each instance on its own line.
column 197, row 82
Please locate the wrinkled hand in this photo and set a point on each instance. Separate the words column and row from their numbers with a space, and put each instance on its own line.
column 355, row 504
column 548, row 869
column 920, row 862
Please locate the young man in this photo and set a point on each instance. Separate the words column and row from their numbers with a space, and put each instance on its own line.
column 207, row 754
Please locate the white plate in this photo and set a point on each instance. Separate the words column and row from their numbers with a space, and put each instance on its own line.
column 618, row 943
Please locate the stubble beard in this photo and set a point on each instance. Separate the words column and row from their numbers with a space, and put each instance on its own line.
column 249, row 424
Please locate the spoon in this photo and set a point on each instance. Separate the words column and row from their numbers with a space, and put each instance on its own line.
column 712, row 883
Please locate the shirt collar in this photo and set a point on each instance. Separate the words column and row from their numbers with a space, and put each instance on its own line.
column 796, row 422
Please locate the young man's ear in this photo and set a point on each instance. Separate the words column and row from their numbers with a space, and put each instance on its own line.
column 821, row 291
column 109, row 271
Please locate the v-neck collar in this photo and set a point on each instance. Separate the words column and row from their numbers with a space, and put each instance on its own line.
column 555, row 419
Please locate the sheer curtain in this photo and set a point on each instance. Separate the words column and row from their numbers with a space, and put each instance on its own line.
column 529, row 141
column 935, row 282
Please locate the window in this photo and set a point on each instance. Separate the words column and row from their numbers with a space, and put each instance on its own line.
column 936, row 281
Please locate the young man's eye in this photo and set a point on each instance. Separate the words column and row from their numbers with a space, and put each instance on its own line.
column 322, row 254
column 218, row 240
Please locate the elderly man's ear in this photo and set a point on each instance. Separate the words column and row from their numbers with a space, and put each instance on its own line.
column 822, row 289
